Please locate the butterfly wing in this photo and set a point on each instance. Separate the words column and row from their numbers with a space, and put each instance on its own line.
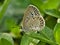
column 32, row 19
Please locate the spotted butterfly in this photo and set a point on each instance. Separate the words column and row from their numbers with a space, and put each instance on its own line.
column 33, row 20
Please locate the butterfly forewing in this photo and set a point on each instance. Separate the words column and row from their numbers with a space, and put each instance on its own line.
column 32, row 19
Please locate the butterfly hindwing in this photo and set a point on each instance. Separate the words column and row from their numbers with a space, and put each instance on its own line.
column 32, row 19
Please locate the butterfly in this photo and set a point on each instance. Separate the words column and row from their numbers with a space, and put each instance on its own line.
column 33, row 20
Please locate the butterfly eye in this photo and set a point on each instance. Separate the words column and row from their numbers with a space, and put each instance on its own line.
column 31, row 13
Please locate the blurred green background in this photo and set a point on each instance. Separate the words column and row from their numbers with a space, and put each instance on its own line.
column 11, row 15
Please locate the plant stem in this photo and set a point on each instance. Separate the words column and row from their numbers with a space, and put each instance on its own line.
column 4, row 8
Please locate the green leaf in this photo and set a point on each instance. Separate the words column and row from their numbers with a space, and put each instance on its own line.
column 53, row 12
column 46, row 4
column 10, row 22
column 25, row 40
column 57, row 33
column 42, row 43
column 50, row 21
column 15, row 31
column 38, row 4
column 4, row 7
column 48, row 33
column 6, row 39
column 51, row 4
column 45, row 36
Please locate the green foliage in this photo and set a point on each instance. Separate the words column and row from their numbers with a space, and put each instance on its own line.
column 25, row 40
column 4, row 7
column 57, row 32
column 49, row 20
column 6, row 39
column 11, row 15
column 53, row 12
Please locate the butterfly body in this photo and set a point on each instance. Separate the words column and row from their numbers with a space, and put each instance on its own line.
column 32, row 20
